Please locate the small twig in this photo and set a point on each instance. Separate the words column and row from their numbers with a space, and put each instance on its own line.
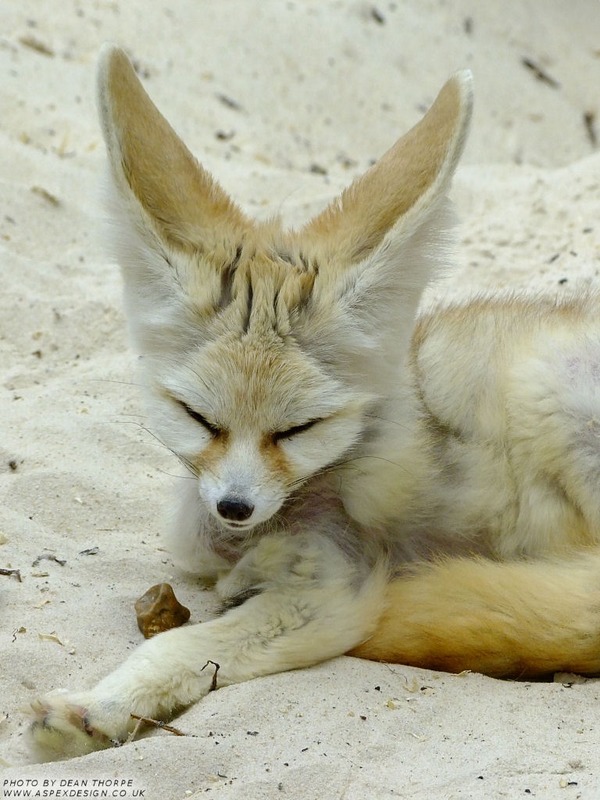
column 134, row 732
column 229, row 102
column 589, row 121
column 213, row 685
column 12, row 573
column 35, row 44
column 50, row 198
column 539, row 73
column 155, row 723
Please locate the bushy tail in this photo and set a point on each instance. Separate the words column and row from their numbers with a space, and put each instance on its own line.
column 516, row 619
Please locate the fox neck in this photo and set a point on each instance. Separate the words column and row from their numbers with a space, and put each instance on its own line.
column 393, row 468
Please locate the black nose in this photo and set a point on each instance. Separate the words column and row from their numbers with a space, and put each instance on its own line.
column 234, row 509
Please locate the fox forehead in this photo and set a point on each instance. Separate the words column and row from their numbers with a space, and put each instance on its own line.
column 248, row 283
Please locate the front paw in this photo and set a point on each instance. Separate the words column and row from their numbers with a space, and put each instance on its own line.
column 66, row 724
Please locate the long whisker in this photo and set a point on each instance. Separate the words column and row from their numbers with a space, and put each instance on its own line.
column 397, row 423
column 186, row 462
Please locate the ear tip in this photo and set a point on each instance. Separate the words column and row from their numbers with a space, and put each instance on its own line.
column 115, row 80
column 458, row 92
column 463, row 80
column 464, row 77
column 111, row 58
column 108, row 54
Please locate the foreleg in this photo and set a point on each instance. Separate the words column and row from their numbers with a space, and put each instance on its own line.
column 302, row 601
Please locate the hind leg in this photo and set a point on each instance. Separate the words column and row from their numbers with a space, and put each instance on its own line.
column 553, row 437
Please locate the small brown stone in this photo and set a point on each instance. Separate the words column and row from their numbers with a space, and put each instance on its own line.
column 159, row 610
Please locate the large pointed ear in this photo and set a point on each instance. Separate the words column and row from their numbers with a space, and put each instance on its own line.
column 174, row 228
column 404, row 183
column 380, row 242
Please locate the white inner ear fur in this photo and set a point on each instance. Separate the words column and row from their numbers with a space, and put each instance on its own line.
column 155, row 299
column 361, row 325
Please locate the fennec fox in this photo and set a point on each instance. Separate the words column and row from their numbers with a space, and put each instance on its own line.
column 359, row 480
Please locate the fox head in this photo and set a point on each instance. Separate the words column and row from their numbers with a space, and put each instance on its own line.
column 267, row 351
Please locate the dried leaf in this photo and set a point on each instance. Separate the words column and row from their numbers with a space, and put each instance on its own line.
column 46, row 195
column 49, row 557
column 50, row 637
column 90, row 551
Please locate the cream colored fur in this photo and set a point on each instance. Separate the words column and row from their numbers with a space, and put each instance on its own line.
column 357, row 477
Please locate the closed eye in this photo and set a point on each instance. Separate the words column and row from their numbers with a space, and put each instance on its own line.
column 214, row 430
column 295, row 430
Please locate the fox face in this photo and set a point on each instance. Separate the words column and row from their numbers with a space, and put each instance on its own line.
column 268, row 353
column 253, row 417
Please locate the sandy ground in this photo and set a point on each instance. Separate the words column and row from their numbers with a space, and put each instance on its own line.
column 285, row 102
